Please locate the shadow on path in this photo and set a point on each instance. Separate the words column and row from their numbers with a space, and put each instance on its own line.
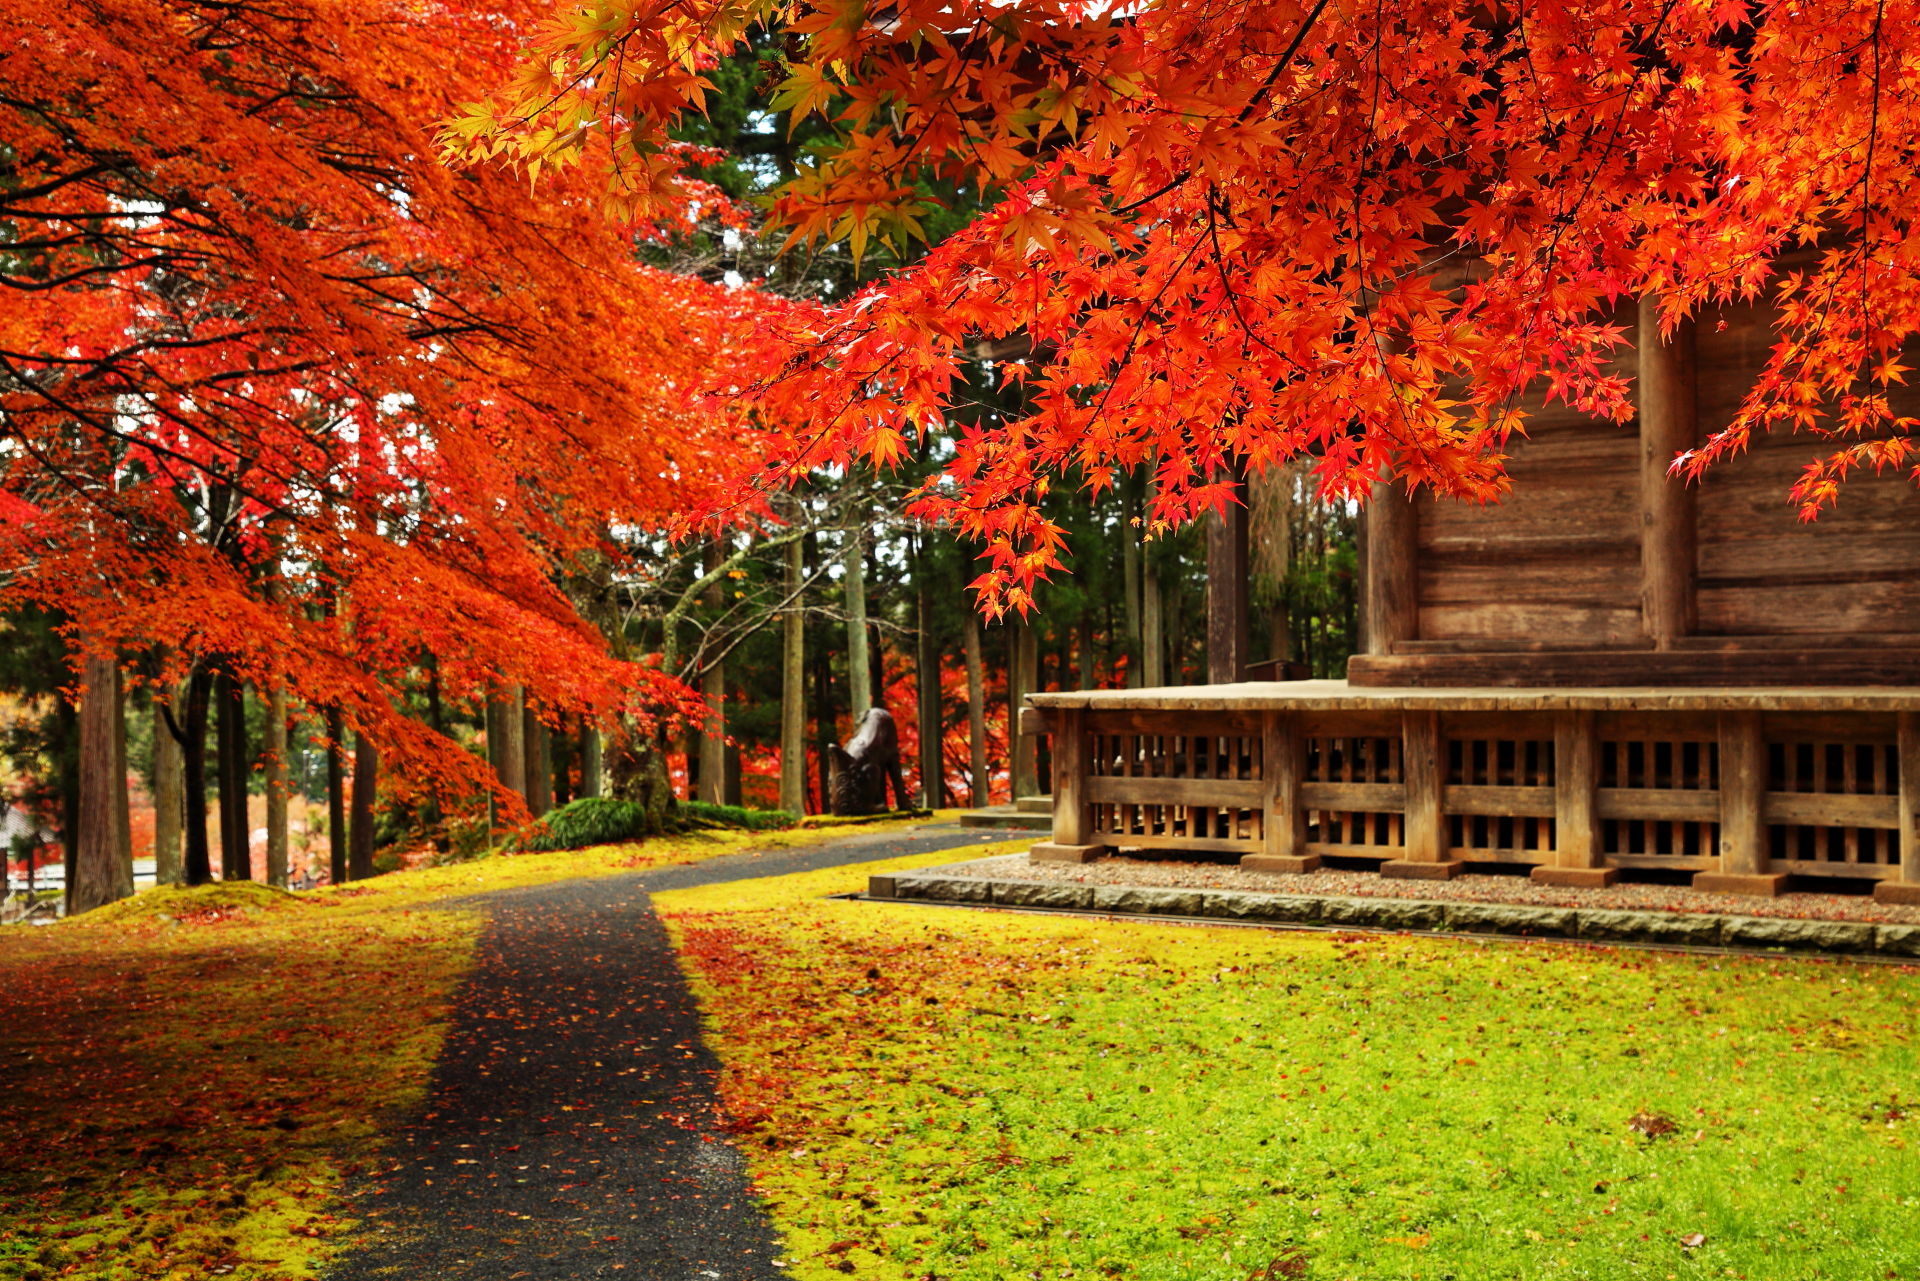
column 571, row 1129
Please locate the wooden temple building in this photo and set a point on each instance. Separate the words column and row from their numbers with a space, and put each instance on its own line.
column 1610, row 671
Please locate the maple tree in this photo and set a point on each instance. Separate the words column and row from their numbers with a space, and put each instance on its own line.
column 1241, row 234
column 289, row 402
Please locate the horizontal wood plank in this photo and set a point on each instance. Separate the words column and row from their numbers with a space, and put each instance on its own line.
column 1498, row 802
column 1829, row 809
column 1672, row 804
column 1110, row 789
column 1353, row 798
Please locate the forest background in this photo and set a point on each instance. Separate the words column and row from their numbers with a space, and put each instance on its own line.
column 280, row 605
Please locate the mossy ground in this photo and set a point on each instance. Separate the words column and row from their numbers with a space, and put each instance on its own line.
column 190, row 1075
column 972, row 1095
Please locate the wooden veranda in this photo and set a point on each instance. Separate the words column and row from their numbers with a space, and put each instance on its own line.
column 1611, row 670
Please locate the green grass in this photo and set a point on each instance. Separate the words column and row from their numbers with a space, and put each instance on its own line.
column 980, row 1096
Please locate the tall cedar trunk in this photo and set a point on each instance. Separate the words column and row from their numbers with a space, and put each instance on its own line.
column 67, row 719
column 824, row 721
column 337, row 868
column 1084, row 678
column 1153, row 645
column 859, row 669
column 100, row 874
column 123, row 804
column 430, row 812
column 236, row 863
column 366, row 779
column 1130, row 575
column 169, row 800
column 793, row 708
column 979, row 779
column 193, row 750
column 560, row 748
column 592, row 766
column 539, row 764
column 713, row 688
column 926, row 677
column 276, row 750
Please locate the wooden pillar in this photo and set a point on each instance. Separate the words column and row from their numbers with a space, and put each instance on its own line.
column 1667, row 426
column 1743, row 837
column 1393, row 601
column 1072, row 812
column 1229, row 631
column 1905, row 887
column 1284, row 821
column 1424, row 856
column 1576, row 844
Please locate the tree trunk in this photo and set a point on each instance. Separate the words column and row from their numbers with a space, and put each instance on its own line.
column 1153, row 644
column 337, row 869
column 926, row 675
column 276, row 749
column 366, row 778
column 100, row 874
column 592, row 767
column 824, row 723
column 859, row 672
column 637, row 770
column 123, row 804
column 981, row 781
column 169, row 801
column 713, row 688
column 539, row 763
column 236, row 862
column 1130, row 586
column 793, row 707
column 507, row 738
column 560, row 748
column 194, row 770
column 67, row 721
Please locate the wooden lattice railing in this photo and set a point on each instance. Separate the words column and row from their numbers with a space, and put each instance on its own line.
column 1740, row 798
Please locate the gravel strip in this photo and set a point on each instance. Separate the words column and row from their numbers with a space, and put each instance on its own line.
column 1327, row 882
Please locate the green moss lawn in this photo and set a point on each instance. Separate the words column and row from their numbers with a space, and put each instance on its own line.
column 942, row 1093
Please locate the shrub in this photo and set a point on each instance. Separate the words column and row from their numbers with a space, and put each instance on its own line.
column 599, row 820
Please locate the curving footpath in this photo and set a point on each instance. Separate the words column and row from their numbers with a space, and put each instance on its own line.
column 571, row 1129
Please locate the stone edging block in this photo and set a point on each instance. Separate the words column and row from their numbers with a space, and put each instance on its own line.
column 1594, row 925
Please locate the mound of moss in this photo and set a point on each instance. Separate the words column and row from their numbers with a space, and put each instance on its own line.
column 600, row 820
column 183, row 902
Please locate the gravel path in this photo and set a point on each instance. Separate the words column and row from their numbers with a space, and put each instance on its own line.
column 571, row 1129
column 1176, row 874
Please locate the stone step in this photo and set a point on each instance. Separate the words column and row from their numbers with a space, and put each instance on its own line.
column 1034, row 805
column 1006, row 816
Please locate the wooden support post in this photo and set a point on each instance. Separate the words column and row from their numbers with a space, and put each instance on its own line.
column 1743, row 837
column 1393, row 600
column 1424, row 856
column 1229, row 629
column 1905, row 888
column 1667, row 426
column 1283, row 824
column 1072, row 813
column 1576, row 848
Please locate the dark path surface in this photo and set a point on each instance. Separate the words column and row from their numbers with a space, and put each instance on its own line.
column 570, row 1130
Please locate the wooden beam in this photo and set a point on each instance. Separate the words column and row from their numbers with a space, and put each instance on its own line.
column 1072, row 804
column 1667, row 525
column 1576, row 840
column 1229, row 631
column 1904, row 886
column 1735, row 667
column 1393, row 589
column 1744, row 864
column 1423, row 856
column 1284, row 820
